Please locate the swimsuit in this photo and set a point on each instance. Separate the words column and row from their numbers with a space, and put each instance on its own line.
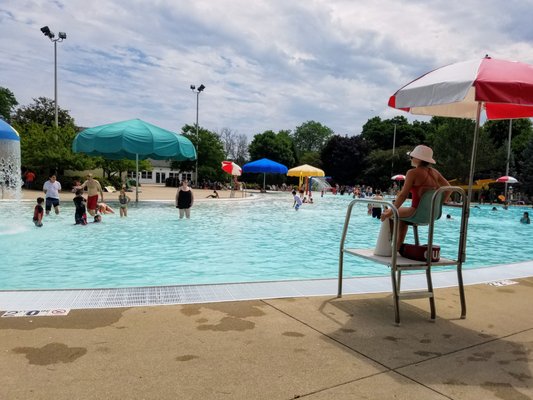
column 123, row 200
column 92, row 202
column 80, row 216
column 415, row 191
column 184, row 199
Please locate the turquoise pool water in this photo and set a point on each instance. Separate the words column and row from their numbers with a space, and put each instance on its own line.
column 252, row 240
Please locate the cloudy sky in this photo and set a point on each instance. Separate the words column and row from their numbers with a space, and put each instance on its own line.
column 266, row 64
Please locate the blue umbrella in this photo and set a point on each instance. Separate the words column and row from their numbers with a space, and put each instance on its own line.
column 9, row 159
column 7, row 132
column 265, row 166
column 134, row 140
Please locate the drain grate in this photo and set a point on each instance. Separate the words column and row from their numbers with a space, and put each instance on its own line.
column 190, row 294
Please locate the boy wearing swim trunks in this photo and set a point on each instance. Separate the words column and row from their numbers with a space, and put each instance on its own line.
column 51, row 188
column 93, row 188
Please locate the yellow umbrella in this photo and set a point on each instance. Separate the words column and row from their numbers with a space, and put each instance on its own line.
column 305, row 171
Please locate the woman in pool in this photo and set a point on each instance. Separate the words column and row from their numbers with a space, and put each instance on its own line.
column 418, row 180
column 184, row 199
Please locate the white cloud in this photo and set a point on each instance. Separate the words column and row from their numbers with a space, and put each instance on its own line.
column 265, row 64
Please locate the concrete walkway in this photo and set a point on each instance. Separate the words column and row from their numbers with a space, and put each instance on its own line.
column 312, row 348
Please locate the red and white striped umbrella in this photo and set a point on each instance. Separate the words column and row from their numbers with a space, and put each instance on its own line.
column 507, row 179
column 504, row 89
column 398, row 177
column 231, row 168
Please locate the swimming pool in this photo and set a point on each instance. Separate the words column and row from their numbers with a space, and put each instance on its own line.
column 224, row 241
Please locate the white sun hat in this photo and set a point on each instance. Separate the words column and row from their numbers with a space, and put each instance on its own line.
column 423, row 153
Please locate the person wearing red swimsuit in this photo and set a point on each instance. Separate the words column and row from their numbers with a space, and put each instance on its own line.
column 418, row 180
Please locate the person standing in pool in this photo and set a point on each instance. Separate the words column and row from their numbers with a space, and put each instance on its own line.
column 184, row 199
column 123, row 199
column 80, row 216
column 51, row 189
column 93, row 187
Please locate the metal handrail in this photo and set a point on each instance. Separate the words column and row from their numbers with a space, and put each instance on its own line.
column 345, row 230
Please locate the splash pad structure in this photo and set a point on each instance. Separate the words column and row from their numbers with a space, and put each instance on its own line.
column 10, row 180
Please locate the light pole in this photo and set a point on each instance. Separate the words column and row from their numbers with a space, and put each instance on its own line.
column 61, row 36
column 197, row 91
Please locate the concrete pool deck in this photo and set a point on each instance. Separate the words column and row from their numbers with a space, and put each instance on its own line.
column 312, row 348
column 306, row 347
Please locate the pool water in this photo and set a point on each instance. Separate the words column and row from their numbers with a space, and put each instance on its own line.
column 224, row 241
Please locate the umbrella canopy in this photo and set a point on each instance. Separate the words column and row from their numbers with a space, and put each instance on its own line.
column 265, row 166
column 398, row 177
column 504, row 89
column 507, row 179
column 134, row 140
column 231, row 168
column 305, row 170
column 7, row 132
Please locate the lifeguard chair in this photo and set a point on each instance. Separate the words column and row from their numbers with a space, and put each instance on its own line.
column 428, row 211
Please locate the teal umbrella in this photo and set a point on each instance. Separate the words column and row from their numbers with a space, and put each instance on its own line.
column 133, row 140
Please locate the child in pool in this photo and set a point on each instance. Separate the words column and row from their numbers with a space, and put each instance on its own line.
column 80, row 215
column 38, row 212
column 123, row 199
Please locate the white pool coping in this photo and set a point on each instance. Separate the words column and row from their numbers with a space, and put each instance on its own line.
column 207, row 293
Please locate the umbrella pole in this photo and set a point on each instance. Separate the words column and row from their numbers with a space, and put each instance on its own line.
column 137, row 180
column 464, row 220
column 264, row 180
column 474, row 154
column 508, row 155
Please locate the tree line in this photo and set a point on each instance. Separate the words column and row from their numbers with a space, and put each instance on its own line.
column 370, row 158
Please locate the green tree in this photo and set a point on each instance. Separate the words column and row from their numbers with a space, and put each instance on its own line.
column 8, row 102
column 49, row 150
column 379, row 172
column 276, row 147
column 344, row 158
column 42, row 111
column 380, row 134
column 210, row 153
column 526, row 167
column 451, row 140
column 522, row 133
column 310, row 137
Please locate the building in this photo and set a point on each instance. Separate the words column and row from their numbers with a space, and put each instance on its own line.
column 161, row 170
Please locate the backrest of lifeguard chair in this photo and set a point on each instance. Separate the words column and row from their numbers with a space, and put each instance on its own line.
column 422, row 213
